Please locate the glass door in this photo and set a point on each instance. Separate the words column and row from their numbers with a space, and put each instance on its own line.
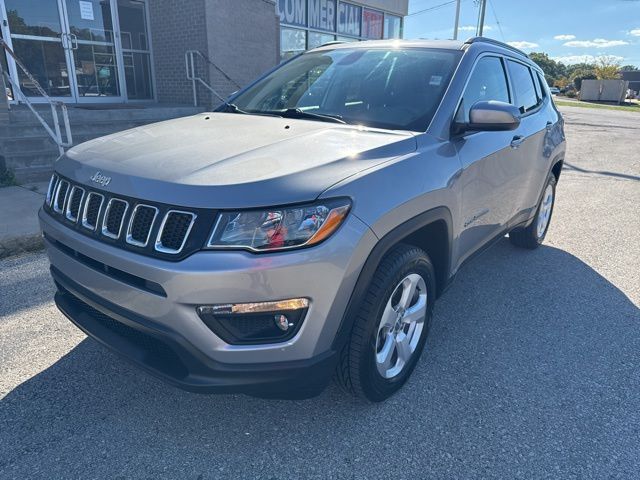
column 37, row 36
column 94, row 54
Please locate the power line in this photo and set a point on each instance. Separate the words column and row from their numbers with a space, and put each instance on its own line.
column 435, row 7
column 493, row 10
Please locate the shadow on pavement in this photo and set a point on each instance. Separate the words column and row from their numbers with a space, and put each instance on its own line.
column 531, row 370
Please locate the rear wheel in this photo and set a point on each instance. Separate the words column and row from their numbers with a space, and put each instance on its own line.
column 532, row 236
column 391, row 326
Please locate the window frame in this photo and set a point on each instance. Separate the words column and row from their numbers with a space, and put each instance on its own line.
column 502, row 59
column 541, row 101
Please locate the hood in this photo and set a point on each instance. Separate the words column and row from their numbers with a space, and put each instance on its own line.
column 225, row 160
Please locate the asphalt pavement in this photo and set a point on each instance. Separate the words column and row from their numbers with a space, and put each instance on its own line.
column 531, row 370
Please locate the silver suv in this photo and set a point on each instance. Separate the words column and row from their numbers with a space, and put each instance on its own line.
column 304, row 229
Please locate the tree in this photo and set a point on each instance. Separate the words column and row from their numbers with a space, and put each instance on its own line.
column 552, row 70
column 607, row 68
column 629, row 68
column 579, row 75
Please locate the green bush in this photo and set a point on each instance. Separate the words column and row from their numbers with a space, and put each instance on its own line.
column 7, row 177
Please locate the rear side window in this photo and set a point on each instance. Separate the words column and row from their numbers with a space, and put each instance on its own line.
column 541, row 84
column 487, row 82
column 523, row 86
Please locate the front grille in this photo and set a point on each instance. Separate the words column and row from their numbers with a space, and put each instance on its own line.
column 61, row 196
column 153, row 229
column 73, row 205
column 92, row 209
column 51, row 189
column 140, row 224
column 114, row 217
column 174, row 231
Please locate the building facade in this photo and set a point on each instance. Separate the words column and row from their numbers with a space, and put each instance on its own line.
column 133, row 51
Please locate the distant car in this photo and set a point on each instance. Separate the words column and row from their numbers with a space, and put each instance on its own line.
column 554, row 90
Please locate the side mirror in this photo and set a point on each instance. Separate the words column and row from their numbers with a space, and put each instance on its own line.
column 491, row 116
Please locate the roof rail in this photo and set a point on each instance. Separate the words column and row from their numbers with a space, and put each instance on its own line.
column 496, row 43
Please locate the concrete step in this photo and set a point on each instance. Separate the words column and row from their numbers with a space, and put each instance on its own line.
column 94, row 127
column 79, row 115
column 29, row 152
column 11, row 146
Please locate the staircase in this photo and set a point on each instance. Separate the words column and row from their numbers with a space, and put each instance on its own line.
column 29, row 151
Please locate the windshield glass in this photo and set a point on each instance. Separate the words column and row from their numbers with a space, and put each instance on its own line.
column 391, row 88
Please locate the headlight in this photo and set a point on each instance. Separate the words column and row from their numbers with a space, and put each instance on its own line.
column 279, row 228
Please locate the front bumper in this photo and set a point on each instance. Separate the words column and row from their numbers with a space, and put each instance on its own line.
column 163, row 333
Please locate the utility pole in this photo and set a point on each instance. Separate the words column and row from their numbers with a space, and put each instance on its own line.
column 483, row 7
column 455, row 28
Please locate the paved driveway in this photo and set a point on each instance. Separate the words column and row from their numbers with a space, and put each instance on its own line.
column 532, row 369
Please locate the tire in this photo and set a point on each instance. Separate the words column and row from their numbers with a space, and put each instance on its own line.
column 532, row 236
column 399, row 339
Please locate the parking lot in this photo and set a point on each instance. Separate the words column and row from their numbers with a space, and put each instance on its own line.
column 532, row 368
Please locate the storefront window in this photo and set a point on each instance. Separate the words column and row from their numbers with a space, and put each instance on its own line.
column 349, row 19
column 316, row 39
column 372, row 24
column 322, row 15
column 392, row 26
column 292, row 42
column 347, row 39
column 293, row 12
column 306, row 24
column 135, row 49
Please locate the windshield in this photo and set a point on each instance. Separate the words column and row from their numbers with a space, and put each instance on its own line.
column 391, row 88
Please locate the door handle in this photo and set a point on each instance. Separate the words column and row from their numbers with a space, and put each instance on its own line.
column 74, row 41
column 517, row 141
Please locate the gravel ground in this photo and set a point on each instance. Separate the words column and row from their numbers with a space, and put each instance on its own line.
column 531, row 369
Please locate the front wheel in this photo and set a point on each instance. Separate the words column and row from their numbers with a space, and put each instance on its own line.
column 532, row 236
column 391, row 326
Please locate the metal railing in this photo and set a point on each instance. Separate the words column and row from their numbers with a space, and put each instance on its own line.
column 192, row 74
column 55, row 132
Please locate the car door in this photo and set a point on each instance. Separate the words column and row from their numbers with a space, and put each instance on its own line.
column 532, row 163
column 490, row 164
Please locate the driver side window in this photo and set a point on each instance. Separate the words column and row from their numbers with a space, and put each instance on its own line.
column 488, row 81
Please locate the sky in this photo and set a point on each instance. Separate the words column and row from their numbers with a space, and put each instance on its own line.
column 570, row 31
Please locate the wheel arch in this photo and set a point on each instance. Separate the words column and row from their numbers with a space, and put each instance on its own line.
column 432, row 231
column 556, row 169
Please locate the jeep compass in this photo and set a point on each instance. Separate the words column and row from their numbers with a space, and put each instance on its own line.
column 303, row 230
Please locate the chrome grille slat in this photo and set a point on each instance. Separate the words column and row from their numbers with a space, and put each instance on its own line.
column 61, row 191
column 143, row 224
column 182, row 234
column 89, row 219
column 123, row 221
column 116, row 211
column 51, row 189
column 74, row 204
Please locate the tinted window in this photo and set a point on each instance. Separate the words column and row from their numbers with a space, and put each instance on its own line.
column 487, row 82
column 522, row 82
column 542, row 84
column 385, row 88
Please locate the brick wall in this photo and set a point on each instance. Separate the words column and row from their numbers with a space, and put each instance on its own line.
column 243, row 40
column 176, row 26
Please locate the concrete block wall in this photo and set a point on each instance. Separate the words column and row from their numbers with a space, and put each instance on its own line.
column 240, row 36
column 176, row 26
column 243, row 40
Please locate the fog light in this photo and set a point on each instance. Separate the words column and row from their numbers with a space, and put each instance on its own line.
column 282, row 322
column 258, row 322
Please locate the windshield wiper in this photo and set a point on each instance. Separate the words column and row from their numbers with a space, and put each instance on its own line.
column 299, row 113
